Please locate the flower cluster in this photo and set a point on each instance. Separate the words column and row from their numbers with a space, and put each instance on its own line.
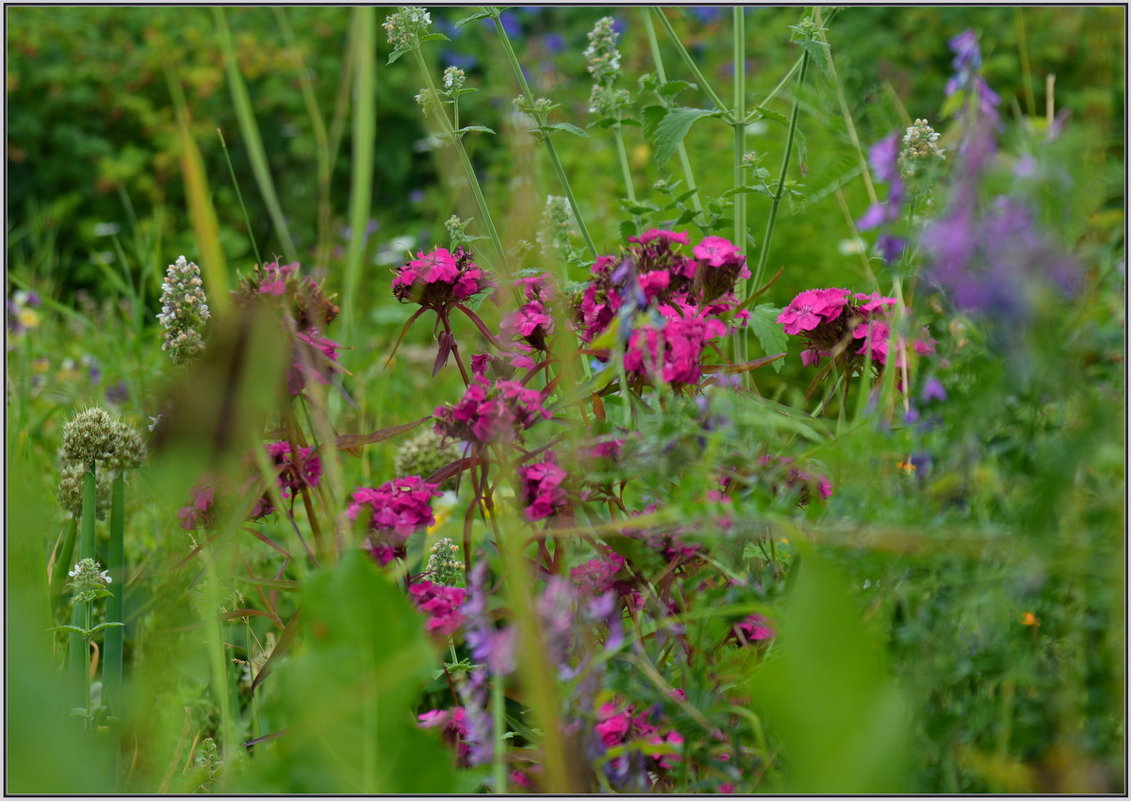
column 541, row 488
column 453, row 724
column 603, row 60
column 184, row 311
column 920, row 148
column 441, row 604
column 785, row 475
column 753, row 628
column 392, row 513
column 439, row 278
column 532, row 322
column 70, row 490
column 406, row 25
column 491, row 411
column 96, row 435
column 424, row 454
column 673, row 351
column 21, row 312
column 88, row 581
column 621, row 726
column 305, row 302
column 444, row 566
column 836, row 323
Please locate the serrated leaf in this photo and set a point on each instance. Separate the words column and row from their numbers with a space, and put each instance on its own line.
column 672, row 88
column 432, row 37
column 771, row 336
column 479, row 128
column 396, row 54
column 819, row 52
column 671, row 130
column 747, row 190
column 685, row 218
column 568, row 127
column 627, row 229
column 652, row 116
column 770, row 114
column 474, row 18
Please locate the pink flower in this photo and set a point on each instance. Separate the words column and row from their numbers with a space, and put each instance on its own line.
column 755, row 628
column 295, row 470
column 199, row 511
column 315, row 357
column 670, row 237
column 453, row 724
column 598, row 576
column 672, row 738
column 394, row 511
column 678, row 358
column 810, row 358
column 874, row 302
column 716, row 251
column 491, row 412
column 542, row 493
column 441, row 604
column 654, row 282
column 438, row 278
column 613, row 726
column 806, row 311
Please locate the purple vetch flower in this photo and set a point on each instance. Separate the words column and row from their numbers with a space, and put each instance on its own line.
column 554, row 42
column 932, row 390
column 479, row 633
column 883, row 158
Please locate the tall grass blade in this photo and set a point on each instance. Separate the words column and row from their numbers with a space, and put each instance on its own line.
column 249, row 128
column 361, row 173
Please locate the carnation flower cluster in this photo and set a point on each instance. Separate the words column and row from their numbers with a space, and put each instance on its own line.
column 439, row 278
column 838, row 324
column 392, row 512
column 491, row 411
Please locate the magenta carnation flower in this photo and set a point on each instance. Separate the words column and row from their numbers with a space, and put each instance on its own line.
column 721, row 265
column 438, row 278
column 598, row 576
column 490, row 412
column 541, row 488
column 441, row 604
column 811, row 307
column 671, row 237
column 755, row 628
column 673, row 351
column 393, row 512
column 453, row 725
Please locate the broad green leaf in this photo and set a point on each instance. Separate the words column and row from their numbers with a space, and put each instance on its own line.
column 568, row 127
column 827, row 695
column 673, row 127
column 652, row 117
column 771, row 336
column 474, row 17
column 347, row 691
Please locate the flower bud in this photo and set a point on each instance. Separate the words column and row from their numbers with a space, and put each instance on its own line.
column 91, row 435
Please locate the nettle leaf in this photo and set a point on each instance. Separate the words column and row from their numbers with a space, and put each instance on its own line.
column 564, row 126
column 627, row 229
column 479, row 128
column 652, row 116
column 747, row 190
column 769, row 114
column 642, row 207
column 396, row 54
column 475, row 18
column 673, row 127
column 819, row 52
column 673, row 88
column 771, row 336
column 432, row 37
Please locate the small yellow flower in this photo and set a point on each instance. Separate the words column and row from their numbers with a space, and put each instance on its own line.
column 907, row 466
column 28, row 318
column 1029, row 619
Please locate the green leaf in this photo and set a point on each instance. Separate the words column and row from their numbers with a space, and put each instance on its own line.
column 475, row 17
column 673, row 88
column 769, row 114
column 479, row 128
column 670, row 131
column 346, row 693
column 819, row 52
column 432, row 37
column 627, row 229
column 397, row 53
column 771, row 336
column 843, row 725
column 652, row 116
column 565, row 126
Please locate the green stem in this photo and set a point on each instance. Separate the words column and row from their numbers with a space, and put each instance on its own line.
column 690, row 62
column 239, row 196
column 63, row 559
column 553, row 153
column 763, row 256
column 116, row 603
column 626, row 172
column 739, row 199
column 680, row 149
column 361, row 169
column 498, row 723
column 79, row 654
column 451, row 136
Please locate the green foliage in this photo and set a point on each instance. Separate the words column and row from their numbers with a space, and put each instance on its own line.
column 342, row 695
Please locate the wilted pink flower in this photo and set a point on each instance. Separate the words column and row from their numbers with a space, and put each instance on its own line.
column 598, row 576
column 873, row 302
column 441, row 604
column 315, row 357
column 295, row 469
column 721, row 264
column 199, row 511
column 541, row 491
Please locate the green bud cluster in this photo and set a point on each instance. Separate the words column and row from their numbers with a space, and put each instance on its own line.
column 184, row 311
column 444, row 565
column 557, row 226
column 71, row 490
column 406, row 25
column 603, row 60
column 920, row 147
column 88, row 581
column 424, row 454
